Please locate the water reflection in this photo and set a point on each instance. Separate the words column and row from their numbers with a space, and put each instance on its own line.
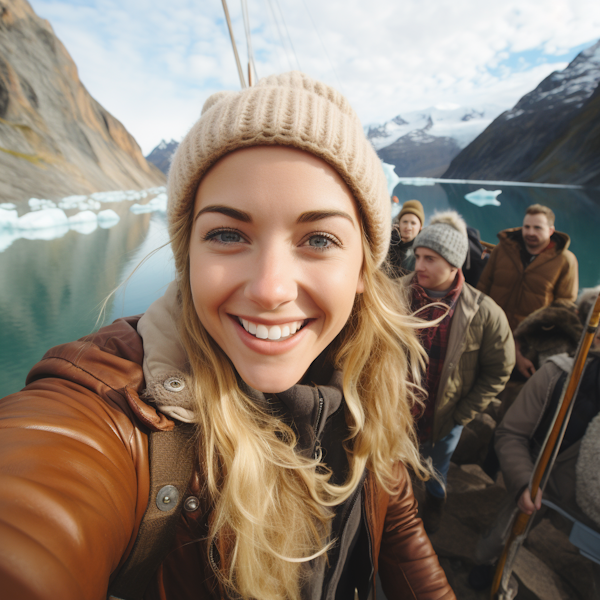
column 50, row 290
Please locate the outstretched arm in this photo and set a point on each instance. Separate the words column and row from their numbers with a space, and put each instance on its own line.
column 71, row 472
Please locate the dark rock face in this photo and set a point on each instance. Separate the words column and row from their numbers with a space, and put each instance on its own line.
column 55, row 139
column 418, row 154
column 547, row 137
column 162, row 155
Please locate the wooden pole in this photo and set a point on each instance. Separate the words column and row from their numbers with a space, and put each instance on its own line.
column 522, row 519
column 235, row 52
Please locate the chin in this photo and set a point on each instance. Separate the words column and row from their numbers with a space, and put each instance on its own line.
column 271, row 381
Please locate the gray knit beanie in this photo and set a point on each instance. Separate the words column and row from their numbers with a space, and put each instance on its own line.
column 446, row 234
column 294, row 110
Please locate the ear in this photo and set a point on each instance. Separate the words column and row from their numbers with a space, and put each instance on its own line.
column 552, row 229
column 360, row 286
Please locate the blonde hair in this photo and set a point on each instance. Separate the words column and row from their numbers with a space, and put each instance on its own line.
column 272, row 506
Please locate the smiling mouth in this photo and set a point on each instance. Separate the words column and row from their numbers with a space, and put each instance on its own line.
column 274, row 333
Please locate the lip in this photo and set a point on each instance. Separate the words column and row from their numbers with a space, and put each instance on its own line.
column 269, row 347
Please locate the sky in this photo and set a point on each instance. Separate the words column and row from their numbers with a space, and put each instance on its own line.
column 153, row 64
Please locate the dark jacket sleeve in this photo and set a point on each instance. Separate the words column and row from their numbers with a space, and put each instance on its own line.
column 408, row 564
column 487, row 276
column 72, row 470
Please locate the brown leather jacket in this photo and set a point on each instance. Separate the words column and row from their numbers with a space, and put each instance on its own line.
column 74, row 475
column 553, row 275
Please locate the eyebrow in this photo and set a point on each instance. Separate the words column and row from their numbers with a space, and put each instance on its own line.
column 239, row 215
column 317, row 215
column 307, row 217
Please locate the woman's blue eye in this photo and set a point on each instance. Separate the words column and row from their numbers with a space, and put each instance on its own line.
column 319, row 241
column 225, row 237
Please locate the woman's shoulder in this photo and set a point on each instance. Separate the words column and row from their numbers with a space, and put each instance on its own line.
column 113, row 356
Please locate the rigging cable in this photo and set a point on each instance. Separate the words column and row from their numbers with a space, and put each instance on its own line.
column 323, row 46
column 235, row 52
column 287, row 33
column 251, row 64
column 272, row 12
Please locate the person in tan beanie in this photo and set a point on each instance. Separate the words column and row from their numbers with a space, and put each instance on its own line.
column 250, row 435
column 406, row 226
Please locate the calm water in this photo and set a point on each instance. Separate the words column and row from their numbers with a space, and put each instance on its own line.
column 51, row 290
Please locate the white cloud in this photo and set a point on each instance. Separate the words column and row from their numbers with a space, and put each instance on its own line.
column 152, row 64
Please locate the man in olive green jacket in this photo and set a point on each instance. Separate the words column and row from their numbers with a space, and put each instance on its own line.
column 471, row 349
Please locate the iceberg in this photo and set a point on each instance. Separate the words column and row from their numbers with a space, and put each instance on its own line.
column 80, row 202
column 84, row 222
column 45, row 218
column 159, row 203
column 108, row 218
column 483, row 197
column 418, row 181
column 390, row 175
column 47, row 233
column 8, row 218
column 37, row 204
column 7, row 237
column 8, row 205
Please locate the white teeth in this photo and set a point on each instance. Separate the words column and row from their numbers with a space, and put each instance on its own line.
column 275, row 332
column 262, row 333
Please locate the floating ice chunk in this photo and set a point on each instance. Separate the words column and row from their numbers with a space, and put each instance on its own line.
column 418, row 181
column 7, row 237
column 40, row 204
column 108, row 218
column 85, row 227
column 84, row 222
column 48, row 233
column 8, row 218
column 390, row 175
column 83, row 217
column 80, row 202
column 483, row 197
column 46, row 218
column 159, row 203
column 8, row 205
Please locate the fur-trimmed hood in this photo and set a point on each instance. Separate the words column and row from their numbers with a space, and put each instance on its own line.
column 548, row 331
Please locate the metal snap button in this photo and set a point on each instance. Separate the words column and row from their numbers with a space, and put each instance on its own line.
column 191, row 504
column 174, row 384
column 167, row 498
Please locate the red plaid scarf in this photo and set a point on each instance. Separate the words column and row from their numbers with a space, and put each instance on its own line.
column 435, row 341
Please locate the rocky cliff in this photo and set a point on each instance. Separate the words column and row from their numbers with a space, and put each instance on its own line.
column 55, row 139
column 547, row 137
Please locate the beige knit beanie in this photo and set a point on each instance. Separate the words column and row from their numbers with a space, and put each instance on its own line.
column 295, row 110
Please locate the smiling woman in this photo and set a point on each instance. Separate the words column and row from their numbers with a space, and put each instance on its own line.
column 285, row 345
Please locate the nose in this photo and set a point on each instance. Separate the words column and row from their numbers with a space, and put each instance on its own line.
column 272, row 280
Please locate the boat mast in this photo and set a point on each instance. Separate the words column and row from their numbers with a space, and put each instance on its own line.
column 237, row 58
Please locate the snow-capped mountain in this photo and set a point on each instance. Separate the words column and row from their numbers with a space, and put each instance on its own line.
column 162, row 155
column 516, row 146
column 422, row 143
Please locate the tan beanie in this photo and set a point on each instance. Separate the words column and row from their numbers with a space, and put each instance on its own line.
column 413, row 207
column 294, row 110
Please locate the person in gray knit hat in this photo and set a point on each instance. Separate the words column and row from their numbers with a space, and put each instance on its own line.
column 471, row 351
